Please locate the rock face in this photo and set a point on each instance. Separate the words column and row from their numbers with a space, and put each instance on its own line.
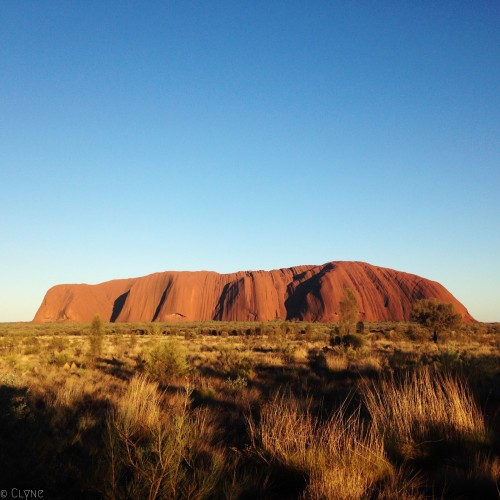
column 310, row 293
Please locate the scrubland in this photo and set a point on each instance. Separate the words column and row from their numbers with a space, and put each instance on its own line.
column 249, row 410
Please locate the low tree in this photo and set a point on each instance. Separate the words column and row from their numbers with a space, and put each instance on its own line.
column 349, row 311
column 435, row 315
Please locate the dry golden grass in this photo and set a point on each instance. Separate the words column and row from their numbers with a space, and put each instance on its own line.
column 251, row 414
column 337, row 362
column 422, row 409
column 341, row 457
column 487, row 468
column 300, row 353
column 368, row 363
column 71, row 391
column 140, row 407
column 271, row 359
column 157, row 441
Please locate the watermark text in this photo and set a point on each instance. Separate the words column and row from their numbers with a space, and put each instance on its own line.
column 21, row 494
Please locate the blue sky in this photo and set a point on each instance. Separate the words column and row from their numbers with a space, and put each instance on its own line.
column 138, row 137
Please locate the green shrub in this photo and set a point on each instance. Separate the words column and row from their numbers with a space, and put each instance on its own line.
column 418, row 333
column 317, row 360
column 96, row 338
column 234, row 363
column 157, row 450
column 449, row 359
column 58, row 344
column 287, row 350
column 97, row 326
column 353, row 340
column 349, row 311
column 31, row 345
column 236, row 385
column 154, row 329
column 132, row 341
column 60, row 358
column 166, row 362
column 335, row 339
column 189, row 335
column 399, row 359
column 435, row 315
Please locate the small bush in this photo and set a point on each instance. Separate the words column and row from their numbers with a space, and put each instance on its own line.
column 156, row 450
column 335, row 339
column 189, row 335
column 58, row 343
column 31, row 345
column 234, row 363
column 402, row 360
column 418, row 333
column 97, row 326
column 317, row 360
column 353, row 340
column 450, row 359
column 287, row 351
column 154, row 328
column 166, row 362
column 60, row 358
column 349, row 311
column 96, row 338
column 236, row 385
column 132, row 342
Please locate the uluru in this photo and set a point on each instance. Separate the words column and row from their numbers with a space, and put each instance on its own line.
column 309, row 293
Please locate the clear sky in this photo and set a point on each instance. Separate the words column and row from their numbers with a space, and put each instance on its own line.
column 138, row 137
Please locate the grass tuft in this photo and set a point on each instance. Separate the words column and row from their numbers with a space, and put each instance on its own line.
column 422, row 413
